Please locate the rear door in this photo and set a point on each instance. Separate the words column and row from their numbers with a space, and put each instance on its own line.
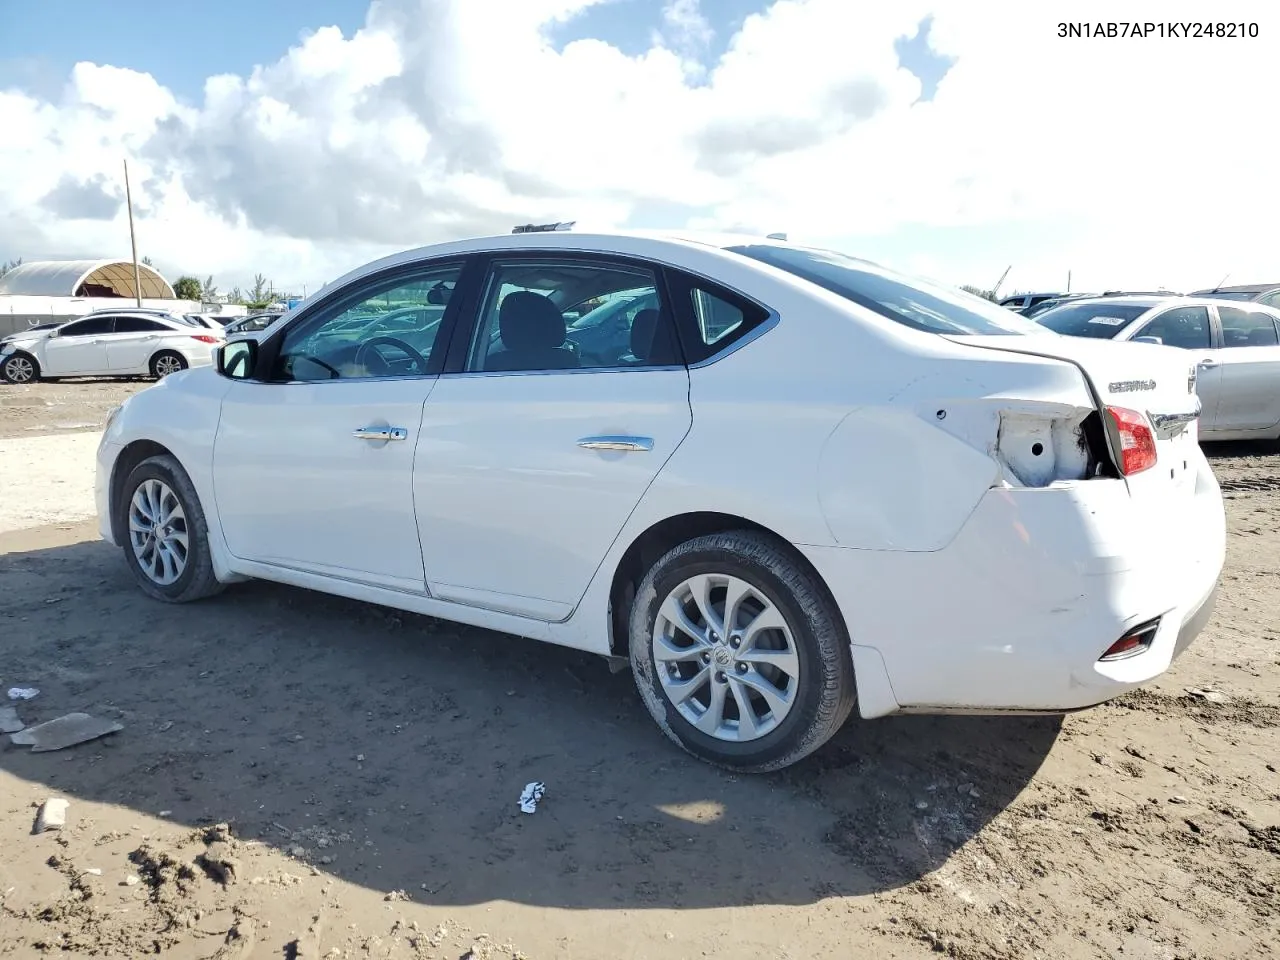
column 135, row 339
column 533, row 454
column 1248, row 369
column 79, row 349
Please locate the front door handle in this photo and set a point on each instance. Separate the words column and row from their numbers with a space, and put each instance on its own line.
column 634, row 444
column 1208, row 362
column 381, row 433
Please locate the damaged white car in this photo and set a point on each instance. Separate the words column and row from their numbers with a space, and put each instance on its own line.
column 787, row 483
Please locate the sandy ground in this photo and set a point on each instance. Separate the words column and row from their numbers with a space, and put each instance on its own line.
column 367, row 764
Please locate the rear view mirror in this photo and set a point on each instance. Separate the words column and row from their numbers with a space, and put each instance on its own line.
column 1156, row 340
column 237, row 359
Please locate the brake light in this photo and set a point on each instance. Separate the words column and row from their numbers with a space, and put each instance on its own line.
column 1137, row 440
column 203, row 338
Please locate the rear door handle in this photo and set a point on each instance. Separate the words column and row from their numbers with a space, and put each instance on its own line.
column 381, row 433
column 633, row 444
column 1208, row 362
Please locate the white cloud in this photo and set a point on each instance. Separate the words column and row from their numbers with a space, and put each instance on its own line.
column 1132, row 161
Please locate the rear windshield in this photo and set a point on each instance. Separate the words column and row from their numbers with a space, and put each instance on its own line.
column 914, row 303
column 1101, row 320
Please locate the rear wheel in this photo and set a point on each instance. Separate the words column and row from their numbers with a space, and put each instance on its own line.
column 739, row 654
column 165, row 536
column 20, row 368
column 167, row 362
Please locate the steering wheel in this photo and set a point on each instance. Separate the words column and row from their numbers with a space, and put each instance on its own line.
column 366, row 351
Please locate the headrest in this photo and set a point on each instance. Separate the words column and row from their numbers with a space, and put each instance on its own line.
column 643, row 327
column 530, row 321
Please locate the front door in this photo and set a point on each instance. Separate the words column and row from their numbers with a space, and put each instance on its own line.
column 1249, row 365
column 313, row 465
column 533, row 457
column 79, row 349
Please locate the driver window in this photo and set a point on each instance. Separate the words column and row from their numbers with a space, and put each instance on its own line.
column 1186, row 327
column 387, row 330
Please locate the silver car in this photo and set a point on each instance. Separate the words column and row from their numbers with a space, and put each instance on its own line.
column 1237, row 345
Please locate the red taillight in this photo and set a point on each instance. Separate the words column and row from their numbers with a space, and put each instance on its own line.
column 1136, row 641
column 204, row 338
column 1137, row 440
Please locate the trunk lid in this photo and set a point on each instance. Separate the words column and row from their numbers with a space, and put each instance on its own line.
column 1157, row 381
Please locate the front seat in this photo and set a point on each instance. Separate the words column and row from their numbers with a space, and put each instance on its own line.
column 651, row 342
column 532, row 331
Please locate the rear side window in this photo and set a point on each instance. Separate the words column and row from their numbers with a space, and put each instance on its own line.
column 914, row 303
column 1101, row 320
column 1247, row 328
column 711, row 319
column 139, row 325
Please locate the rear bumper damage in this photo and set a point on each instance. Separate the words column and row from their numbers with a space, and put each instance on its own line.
column 1014, row 614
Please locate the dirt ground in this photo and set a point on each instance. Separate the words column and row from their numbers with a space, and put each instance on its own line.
column 304, row 776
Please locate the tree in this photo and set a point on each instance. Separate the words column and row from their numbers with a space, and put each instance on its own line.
column 235, row 296
column 209, row 291
column 187, row 288
column 260, row 295
column 6, row 267
column 146, row 261
column 978, row 292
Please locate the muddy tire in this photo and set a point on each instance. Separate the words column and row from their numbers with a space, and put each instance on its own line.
column 164, row 533
column 755, row 691
column 20, row 368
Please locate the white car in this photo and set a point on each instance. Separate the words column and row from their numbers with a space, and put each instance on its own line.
column 1235, row 346
column 810, row 482
column 128, row 343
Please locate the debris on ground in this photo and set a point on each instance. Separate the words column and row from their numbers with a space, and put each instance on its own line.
column 65, row 731
column 531, row 795
column 23, row 693
column 9, row 721
column 1212, row 696
column 52, row 815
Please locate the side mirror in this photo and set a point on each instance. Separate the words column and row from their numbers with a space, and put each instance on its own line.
column 1156, row 340
column 53, row 333
column 236, row 359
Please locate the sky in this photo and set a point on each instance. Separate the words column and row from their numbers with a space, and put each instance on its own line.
column 956, row 139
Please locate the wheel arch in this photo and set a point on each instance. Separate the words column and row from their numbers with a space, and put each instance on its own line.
column 132, row 455
column 658, row 538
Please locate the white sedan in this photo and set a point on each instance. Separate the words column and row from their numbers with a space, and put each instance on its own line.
column 108, row 344
column 1235, row 346
column 803, row 482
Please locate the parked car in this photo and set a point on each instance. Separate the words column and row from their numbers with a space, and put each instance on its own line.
column 1236, row 348
column 1267, row 294
column 1021, row 301
column 253, row 323
column 106, row 344
column 810, row 482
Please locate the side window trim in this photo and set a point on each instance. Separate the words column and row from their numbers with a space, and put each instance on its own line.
column 681, row 285
column 344, row 298
column 465, row 331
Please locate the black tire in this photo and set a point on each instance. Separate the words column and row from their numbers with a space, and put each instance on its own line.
column 196, row 581
column 16, row 359
column 167, row 356
column 825, row 691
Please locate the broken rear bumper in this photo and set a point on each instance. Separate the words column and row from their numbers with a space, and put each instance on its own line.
column 1014, row 613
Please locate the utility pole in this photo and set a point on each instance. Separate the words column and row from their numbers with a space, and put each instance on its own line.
column 1068, row 281
column 995, row 291
column 133, row 239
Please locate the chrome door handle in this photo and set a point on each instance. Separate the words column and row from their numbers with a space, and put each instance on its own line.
column 637, row 444
column 1208, row 362
column 381, row 433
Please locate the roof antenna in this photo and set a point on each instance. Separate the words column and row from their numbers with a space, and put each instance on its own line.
column 1221, row 282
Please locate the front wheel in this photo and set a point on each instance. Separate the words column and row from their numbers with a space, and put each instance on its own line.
column 166, row 538
column 739, row 654
column 167, row 362
column 20, row 368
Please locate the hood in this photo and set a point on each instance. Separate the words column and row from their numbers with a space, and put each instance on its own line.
column 25, row 336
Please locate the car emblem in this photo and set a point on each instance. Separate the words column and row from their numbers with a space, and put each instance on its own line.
column 1129, row 386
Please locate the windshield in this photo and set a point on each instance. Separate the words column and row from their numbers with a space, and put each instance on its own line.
column 914, row 303
column 1102, row 320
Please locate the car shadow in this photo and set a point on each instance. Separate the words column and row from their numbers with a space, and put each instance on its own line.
column 393, row 748
column 1240, row 449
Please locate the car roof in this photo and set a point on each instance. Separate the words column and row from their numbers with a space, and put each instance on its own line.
column 1241, row 288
